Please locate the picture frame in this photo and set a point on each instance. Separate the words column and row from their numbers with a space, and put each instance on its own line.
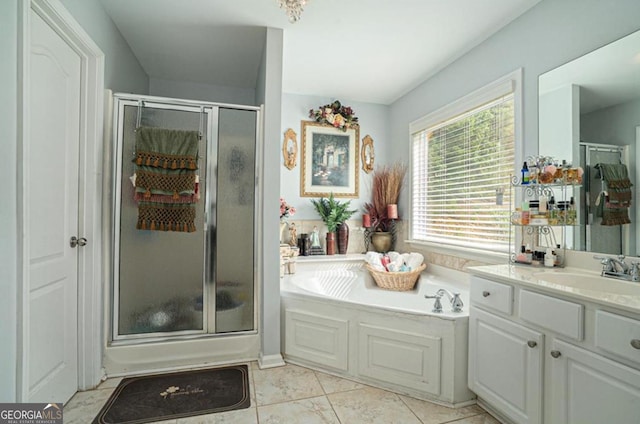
column 330, row 161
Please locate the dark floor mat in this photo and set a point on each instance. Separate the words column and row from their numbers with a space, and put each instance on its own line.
column 182, row 394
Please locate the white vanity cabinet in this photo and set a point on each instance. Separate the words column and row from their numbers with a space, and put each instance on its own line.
column 542, row 357
column 505, row 365
column 588, row 388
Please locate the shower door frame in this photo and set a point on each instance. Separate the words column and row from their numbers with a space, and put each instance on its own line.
column 211, row 111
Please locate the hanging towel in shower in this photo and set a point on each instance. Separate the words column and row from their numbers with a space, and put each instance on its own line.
column 166, row 217
column 141, row 195
column 166, row 148
column 617, row 182
column 173, row 184
column 614, row 202
column 165, row 179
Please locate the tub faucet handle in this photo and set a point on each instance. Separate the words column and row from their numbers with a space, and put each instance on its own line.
column 456, row 303
column 437, row 305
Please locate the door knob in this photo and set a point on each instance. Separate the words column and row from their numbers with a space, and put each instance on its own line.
column 75, row 241
column 635, row 343
column 532, row 343
column 485, row 293
column 555, row 353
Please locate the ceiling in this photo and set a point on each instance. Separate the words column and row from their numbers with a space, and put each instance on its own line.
column 370, row 51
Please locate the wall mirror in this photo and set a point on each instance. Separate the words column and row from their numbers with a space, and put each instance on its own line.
column 589, row 114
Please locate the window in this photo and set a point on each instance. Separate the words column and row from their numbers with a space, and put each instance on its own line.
column 462, row 157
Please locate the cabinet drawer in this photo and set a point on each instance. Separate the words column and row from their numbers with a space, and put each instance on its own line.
column 492, row 295
column 566, row 318
column 618, row 335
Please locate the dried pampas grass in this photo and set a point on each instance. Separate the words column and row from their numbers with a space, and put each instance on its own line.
column 387, row 183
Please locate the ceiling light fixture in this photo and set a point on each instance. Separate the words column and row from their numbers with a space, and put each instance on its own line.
column 294, row 8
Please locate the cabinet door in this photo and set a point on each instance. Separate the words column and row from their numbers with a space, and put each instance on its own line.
column 586, row 388
column 505, row 366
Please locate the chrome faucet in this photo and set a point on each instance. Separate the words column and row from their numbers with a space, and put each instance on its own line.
column 454, row 299
column 618, row 268
column 437, row 305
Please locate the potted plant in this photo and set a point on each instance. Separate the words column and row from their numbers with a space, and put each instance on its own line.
column 334, row 214
column 386, row 186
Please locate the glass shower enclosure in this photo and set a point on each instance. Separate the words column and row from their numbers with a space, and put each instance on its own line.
column 170, row 283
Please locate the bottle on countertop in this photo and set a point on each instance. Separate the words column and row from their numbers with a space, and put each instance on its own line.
column 549, row 258
column 558, row 254
column 522, row 257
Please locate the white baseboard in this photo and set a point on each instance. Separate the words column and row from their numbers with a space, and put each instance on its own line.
column 270, row 361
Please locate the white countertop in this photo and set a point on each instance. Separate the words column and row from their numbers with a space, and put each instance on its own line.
column 606, row 291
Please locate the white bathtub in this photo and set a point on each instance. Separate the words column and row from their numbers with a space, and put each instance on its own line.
column 336, row 319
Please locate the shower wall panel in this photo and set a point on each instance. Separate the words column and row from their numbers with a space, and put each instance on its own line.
column 236, row 194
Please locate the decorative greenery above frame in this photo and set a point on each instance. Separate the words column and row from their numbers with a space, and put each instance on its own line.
column 336, row 115
column 330, row 161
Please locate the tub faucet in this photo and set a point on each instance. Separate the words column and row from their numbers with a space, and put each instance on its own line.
column 454, row 299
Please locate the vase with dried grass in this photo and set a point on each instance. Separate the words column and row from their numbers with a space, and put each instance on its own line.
column 386, row 186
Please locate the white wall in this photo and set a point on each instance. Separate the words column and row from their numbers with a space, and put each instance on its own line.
column 374, row 121
column 206, row 92
column 8, row 216
column 559, row 121
column 612, row 125
column 550, row 34
column 269, row 93
column 123, row 72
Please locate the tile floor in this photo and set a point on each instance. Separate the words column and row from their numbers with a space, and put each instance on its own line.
column 293, row 394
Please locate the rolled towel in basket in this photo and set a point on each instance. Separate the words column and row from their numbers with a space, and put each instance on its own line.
column 413, row 260
column 374, row 260
column 396, row 264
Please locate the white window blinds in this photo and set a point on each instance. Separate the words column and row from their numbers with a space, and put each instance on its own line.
column 457, row 166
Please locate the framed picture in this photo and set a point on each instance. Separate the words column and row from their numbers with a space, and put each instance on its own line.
column 329, row 161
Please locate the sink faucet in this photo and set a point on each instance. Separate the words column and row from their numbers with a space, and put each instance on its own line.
column 618, row 268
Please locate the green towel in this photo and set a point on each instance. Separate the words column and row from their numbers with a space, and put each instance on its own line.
column 168, row 149
column 166, row 161
column 618, row 184
column 613, row 203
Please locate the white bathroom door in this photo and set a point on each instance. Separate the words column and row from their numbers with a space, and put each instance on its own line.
column 51, row 184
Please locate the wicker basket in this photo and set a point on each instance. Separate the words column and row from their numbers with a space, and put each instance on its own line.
column 397, row 281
